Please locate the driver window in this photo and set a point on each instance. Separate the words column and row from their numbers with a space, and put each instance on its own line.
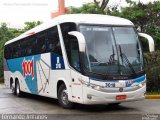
column 71, row 45
column 74, row 61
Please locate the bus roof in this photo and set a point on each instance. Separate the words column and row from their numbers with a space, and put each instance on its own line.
column 76, row 18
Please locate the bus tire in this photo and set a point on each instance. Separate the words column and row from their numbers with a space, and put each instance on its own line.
column 17, row 89
column 63, row 97
column 12, row 87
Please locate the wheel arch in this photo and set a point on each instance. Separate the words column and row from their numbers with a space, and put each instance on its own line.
column 60, row 82
column 17, row 79
column 11, row 82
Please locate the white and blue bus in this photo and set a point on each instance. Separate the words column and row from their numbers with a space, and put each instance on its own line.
column 86, row 59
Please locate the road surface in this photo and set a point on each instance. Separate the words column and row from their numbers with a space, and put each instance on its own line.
column 31, row 104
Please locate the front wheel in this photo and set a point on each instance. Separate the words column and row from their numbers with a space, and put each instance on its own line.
column 63, row 97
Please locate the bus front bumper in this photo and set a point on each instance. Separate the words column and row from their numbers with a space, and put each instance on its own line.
column 92, row 96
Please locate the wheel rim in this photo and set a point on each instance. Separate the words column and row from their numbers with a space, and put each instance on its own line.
column 17, row 89
column 13, row 89
column 64, row 97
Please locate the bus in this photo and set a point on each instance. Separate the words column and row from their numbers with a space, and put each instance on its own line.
column 78, row 58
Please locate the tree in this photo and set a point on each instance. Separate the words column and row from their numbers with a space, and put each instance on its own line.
column 5, row 35
column 30, row 25
column 102, row 5
column 8, row 34
column 87, row 8
column 145, row 17
column 94, row 8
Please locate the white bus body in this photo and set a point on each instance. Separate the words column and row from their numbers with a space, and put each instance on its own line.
column 86, row 59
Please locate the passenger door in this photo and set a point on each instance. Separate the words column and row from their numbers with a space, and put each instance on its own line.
column 75, row 72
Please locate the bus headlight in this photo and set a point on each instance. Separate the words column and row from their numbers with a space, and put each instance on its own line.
column 96, row 87
column 84, row 82
column 142, row 84
column 93, row 86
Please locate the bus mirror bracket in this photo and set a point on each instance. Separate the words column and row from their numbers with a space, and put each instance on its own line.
column 80, row 38
column 150, row 41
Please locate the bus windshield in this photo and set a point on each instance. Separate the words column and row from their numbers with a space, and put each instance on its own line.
column 112, row 50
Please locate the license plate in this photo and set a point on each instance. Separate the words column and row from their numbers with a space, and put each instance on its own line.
column 120, row 84
column 121, row 97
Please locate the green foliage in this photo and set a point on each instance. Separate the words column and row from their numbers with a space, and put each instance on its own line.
column 146, row 18
column 1, row 80
column 152, row 68
column 8, row 34
column 5, row 35
column 87, row 8
column 92, row 8
column 30, row 25
column 103, row 4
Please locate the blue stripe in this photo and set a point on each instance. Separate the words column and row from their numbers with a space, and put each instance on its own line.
column 16, row 65
column 128, row 82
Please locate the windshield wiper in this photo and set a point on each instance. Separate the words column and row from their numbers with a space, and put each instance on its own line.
column 112, row 59
column 125, row 60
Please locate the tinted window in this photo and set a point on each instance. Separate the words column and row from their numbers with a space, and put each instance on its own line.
column 53, row 42
column 71, row 44
column 41, row 38
column 42, row 42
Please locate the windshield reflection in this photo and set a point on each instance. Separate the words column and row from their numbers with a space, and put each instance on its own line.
column 112, row 50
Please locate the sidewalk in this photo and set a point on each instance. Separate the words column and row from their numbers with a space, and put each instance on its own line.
column 2, row 85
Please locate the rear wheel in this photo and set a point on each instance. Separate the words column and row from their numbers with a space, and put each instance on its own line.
column 17, row 89
column 12, row 88
column 63, row 97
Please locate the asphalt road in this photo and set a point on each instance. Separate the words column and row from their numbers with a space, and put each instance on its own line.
column 31, row 104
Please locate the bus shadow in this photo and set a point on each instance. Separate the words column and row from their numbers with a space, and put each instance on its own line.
column 40, row 98
column 80, row 107
column 104, row 108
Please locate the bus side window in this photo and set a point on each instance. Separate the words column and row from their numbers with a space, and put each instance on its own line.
column 34, row 45
column 41, row 48
column 7, row 52
column 19, row 50
column 53, row 43
column 15, row 49
column 50, row 42
column 24, row 46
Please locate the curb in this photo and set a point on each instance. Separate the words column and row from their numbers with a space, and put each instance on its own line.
column 152, row 97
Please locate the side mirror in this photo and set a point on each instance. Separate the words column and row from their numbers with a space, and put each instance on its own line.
column 80, row 38
column 150, row 41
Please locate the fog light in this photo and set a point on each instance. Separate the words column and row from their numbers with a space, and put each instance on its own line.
column 140, row 85
column 89, row 96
